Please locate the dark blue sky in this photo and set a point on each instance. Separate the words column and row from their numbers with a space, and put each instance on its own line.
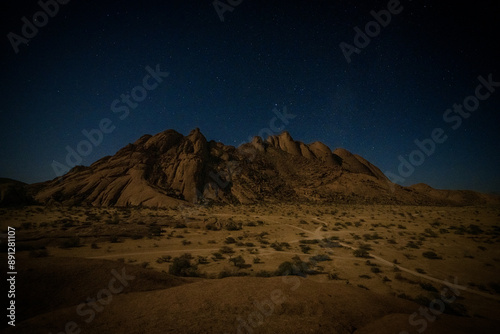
column 226, row 78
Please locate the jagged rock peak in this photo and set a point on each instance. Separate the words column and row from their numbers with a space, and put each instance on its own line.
column 257, row 140
column 323, row 153
column 284, row 142
column 196, row 134
column 258, row 144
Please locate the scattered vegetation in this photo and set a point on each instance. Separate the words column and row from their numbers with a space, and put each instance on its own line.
column 218, row 256
column 233, row 226
column 279, row 246
column 230, row 240
column 309, row 241
column 431, row 255
column 320, row 258
column 154, row 230
column 182, row 266
column 164, row 258
column 226, row 250
column 362, row 251
column 333, row 276
column 295, row 267
column 305, row 249
column 412, row 244
column 373, row 236
column 239, row 262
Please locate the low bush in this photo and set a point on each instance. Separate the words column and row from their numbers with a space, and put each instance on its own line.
column 226, row 250
column 239, row 262
column 182, row 266
column 230, row 240
column 431, row 255
column 428, row 287
column 164, row 258
column 295, row 267
column 361, row 253
column 320, row 257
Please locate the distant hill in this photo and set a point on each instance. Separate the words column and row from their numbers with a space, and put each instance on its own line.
column 168, row 169
column 13, row 193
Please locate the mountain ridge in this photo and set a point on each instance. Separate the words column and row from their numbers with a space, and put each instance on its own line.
column 169, row 169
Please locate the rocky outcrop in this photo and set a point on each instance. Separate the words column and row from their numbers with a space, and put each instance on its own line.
column 356, row 164
column 169, row 169
column 314, row 151
column 285, row 143
column 156, row 170
column 324, row 154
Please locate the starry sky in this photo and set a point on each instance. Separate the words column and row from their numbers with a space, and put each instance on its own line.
column 226, row 77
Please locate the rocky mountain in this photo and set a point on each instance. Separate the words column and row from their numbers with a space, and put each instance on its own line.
column 169, row 169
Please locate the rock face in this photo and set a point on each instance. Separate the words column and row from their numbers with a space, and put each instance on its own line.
column 169, row 169
column 356, row 164
column 314, row 151
column 285, row 143
column 154, row 171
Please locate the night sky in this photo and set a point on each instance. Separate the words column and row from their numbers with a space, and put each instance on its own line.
column 227, row 77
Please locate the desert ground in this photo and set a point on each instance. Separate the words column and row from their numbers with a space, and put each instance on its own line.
column 201, row 268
